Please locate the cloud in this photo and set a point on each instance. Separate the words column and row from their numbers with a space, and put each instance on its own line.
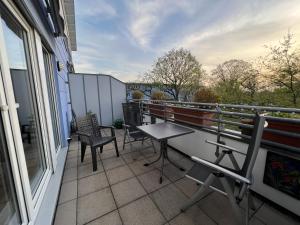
column 130, row 35
column 145, row 17
column 95, row 8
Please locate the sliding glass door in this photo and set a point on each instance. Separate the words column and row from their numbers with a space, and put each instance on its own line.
column 47, row 57
column 16, row 43
column 9, row 212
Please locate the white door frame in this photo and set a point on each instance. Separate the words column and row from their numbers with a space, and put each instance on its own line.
column 15, row 141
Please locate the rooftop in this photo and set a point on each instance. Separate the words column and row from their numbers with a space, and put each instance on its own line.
column 123, row 191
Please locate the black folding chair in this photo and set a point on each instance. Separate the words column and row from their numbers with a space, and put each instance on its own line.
column 234, row 183
column 89, row 132
column 133, row 118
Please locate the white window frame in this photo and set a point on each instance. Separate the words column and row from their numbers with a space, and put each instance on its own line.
column 15, row 145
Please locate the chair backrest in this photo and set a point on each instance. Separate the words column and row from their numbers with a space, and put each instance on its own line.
column 89, row 124
column 253, row 147
column 95, row 125
column 132, row 114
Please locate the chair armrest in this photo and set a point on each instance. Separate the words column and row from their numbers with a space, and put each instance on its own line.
column 222, row 170
column 224, row 146
column 125, row 125
column 112, row 129
column 80, row 133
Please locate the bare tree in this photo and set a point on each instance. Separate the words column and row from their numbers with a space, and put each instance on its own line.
column 176, row 70
column 237, row 76
column 282, row 66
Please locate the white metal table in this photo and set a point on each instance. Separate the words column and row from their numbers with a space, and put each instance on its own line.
column 162, row 132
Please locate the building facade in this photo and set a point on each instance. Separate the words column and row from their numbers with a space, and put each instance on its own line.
column 36, row 40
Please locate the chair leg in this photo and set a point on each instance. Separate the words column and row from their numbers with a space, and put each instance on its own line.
column 124, row 139
column 94, row 158
column 143, row 141
column 116, row 147
column 83, row 148
column 237, row 210
column 154, row 149
column 200, row 193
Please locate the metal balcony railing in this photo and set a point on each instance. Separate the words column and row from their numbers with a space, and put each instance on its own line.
column 236, row 121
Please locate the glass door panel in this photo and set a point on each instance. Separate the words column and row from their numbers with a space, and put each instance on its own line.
column 16, row 44
column 9, row 213
column 51, row 94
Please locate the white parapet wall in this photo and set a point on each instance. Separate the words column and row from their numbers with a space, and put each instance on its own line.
column 194, row 145
column 99, row 94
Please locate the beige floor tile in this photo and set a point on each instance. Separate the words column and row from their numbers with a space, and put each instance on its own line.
column 169, row 200
column 132, row 156
column 68, row 191
column 272, row 216
column 72, row 154
column 187, row 186
column 66, row 213
column 119, row 174
column 87, row 170
column 94, row 205
column 113, row 162
column 72, row 162
column 112, row 218
column 70, row 174
column 193, row 216
column 217, row 206
column 173, row 173
column 141, row 212
column 127, row 191
column 150, row 180
column 92, row 183
column 108, row 154
column 139, row 168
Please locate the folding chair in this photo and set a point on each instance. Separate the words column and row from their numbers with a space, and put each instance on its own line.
column 133, row 118
column 234, row 183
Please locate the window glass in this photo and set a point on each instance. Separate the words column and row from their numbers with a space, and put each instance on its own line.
column 20, row 70
column 9, row 213
column 51, row 95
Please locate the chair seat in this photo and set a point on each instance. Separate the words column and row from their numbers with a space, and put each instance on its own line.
column 200, row 173
column 98, row 141
column 137, row 135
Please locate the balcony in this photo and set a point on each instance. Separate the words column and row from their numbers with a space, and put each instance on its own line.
column 124, row 191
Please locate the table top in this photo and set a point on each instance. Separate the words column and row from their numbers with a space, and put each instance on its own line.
column 166, row 130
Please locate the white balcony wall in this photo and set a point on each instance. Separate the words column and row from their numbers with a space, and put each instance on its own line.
column 118, row 95
column 100, row 94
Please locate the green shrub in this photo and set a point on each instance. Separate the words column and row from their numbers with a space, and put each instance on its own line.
column 158, row 95
column 205, row 95
column 137, row 94
column 118, row 124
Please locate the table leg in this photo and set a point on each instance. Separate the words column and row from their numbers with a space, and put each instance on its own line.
column 156, row 160
column 164, row 155
column 163, row 147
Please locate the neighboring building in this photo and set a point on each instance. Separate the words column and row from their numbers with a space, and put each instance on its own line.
column 149, row 88
column 36, row 40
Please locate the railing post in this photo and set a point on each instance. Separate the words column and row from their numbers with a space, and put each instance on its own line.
column 220, row 128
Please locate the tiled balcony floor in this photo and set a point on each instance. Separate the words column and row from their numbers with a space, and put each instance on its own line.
column 123, row 191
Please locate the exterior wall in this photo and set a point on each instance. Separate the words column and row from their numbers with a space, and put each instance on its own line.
column 100, row 94
column 62, row 55
column 38, row 207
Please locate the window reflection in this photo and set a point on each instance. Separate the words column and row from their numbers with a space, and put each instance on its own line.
column 9, row 213
column 16, row 48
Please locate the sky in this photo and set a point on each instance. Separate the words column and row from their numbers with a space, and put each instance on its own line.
column 123, row 38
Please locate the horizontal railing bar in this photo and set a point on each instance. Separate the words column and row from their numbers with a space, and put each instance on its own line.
column 249, row 107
